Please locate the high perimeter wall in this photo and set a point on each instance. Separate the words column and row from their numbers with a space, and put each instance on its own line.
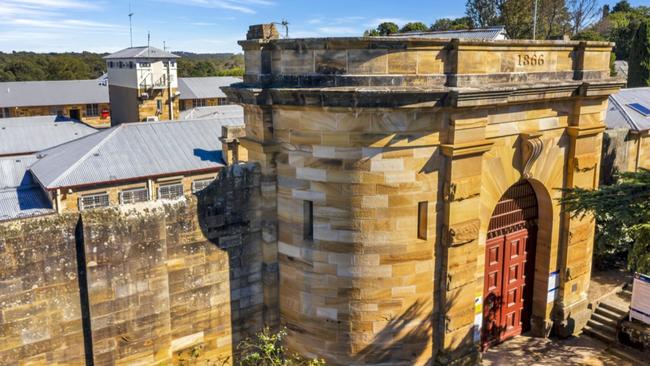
column 152, row 284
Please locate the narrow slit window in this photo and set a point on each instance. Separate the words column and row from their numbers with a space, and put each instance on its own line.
column 308, row 228
column 422, row 219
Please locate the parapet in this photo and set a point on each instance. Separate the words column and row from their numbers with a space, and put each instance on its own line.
column 411, row 65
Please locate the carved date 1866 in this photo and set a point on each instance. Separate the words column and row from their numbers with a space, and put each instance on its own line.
column 530, row 60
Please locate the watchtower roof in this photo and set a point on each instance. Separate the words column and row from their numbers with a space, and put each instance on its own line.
column 141, row 52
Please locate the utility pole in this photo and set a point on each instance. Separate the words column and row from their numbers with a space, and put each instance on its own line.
column 535, row 21
column 130, row 24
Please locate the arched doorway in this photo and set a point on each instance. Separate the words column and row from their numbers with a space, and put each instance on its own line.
column 510, row 265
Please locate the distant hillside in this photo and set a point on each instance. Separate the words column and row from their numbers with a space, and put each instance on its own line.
column 26, row 66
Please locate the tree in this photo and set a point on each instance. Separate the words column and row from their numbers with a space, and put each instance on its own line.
column 583, row 13
column 639, row 62
column 622, row 6
column 553, row 19
column 267, row 349
column 483, row 13
column 447, row 24
column 387, row 28
column 517, row 17
column 414, row 27
column 622, row 213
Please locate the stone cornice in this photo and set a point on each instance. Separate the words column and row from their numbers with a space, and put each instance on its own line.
column 464, row 149
column 584, row 131
column 415, row 97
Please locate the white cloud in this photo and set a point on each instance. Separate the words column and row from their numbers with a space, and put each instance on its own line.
column 242, row 6
column 337, row 31
column 56, row 4
column 62, row 24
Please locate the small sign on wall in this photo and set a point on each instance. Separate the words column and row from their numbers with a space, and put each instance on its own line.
column 478, row 316
column 640, row 305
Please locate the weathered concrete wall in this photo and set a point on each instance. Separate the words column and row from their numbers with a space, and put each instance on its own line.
column 160, row 282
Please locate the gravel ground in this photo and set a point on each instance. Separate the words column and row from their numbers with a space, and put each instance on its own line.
column 530, row 351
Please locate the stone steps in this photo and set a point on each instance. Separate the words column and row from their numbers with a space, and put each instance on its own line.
column 604, row 321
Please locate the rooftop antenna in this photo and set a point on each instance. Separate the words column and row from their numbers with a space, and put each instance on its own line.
column 535, row 21
column 148, row 41
column 164, row 45
column 285, row 24
column 130, row 24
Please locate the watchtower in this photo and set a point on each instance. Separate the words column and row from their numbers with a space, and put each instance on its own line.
column 142, row 85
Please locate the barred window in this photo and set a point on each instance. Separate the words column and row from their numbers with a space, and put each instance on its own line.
column 201, row 184
column 96, row 200
column 198, row 103
column 4, row 113
column 134, row 195
column 145, row 64
column 92, row 110
column 170, row 191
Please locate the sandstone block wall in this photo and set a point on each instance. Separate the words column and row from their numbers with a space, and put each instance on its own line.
column 156, row 283
column 40, row 310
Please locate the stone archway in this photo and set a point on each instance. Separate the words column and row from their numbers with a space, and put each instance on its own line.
column 510, row 265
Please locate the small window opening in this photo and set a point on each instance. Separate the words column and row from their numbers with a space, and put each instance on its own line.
column 308, row 229
column 422, row 219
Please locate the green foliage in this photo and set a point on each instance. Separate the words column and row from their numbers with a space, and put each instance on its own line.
column 414, row 27
column 622, row 6
column 27, row 66
column 622, row 213
column 191, row 64
column 383, row 29
column 483, row 13
column 639, row 61
column 267, row 349
column 447, row 24
column 387, row 28
column 589, row 35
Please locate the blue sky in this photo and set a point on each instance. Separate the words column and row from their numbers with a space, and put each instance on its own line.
column 197, row 25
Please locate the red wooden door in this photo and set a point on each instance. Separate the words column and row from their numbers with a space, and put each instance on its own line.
column 514, row 281
column 509, row 253
column 505, row 280
column 492, row 291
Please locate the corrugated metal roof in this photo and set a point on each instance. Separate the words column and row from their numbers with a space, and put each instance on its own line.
column 19, row 195
column 17, row 203
column 52, row 93
column 23, row 135
column 489, row 33
column 220, row 111
column 133, row 150
column 141, row 52
column 204, row 87
column 14, row 171
column 619, row 114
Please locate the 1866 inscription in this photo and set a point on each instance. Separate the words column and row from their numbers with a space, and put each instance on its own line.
column 530, row 60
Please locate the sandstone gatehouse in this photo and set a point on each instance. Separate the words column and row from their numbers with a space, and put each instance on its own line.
column 399, row 206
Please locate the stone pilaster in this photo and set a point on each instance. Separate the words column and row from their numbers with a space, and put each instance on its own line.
column 262, row 150
column 460, row 249
column 576, row 246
